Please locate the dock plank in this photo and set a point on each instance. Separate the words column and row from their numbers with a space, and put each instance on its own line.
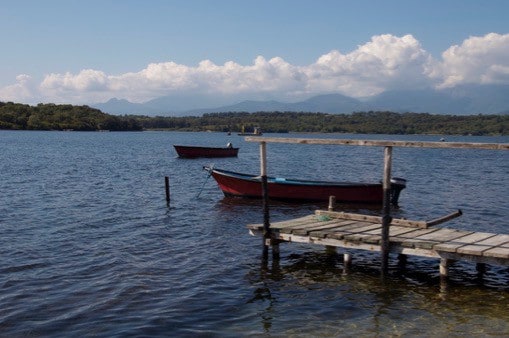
column 443, row 235
column 455, row 244
column 322, row 226
column 338, row 229
column 497, row 252
column 364, row 233
column 473, row 249
column 498, row 239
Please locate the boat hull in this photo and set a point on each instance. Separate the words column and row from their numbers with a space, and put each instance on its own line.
column 195, row 152
column 249, row 186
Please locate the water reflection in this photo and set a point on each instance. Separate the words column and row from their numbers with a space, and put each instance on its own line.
column 409, row 300
column 262, row 292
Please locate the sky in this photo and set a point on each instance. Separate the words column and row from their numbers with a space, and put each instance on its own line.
column 85, row 52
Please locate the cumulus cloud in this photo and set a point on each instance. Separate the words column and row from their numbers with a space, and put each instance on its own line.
column 24, row 90
column 481, row 60
column 386, row 62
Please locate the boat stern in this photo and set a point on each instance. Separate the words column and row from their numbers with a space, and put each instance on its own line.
column 397, row 185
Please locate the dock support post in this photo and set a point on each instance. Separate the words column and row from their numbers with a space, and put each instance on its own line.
column 332, row 202
column 386, row 219
column 347, row 263
column 267, row 238
column 481, row 270
column 444, row 268
column 331, row 250
column 402, row 259
column 167, row 188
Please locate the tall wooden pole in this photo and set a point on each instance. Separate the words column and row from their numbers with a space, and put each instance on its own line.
column 387, row 218
column 265, row 199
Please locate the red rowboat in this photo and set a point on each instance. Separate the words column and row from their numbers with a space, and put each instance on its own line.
column 250, row 186
column 195, row 151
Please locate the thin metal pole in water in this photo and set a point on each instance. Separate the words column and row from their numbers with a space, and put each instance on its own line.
column 167, row 188
column 387, row 218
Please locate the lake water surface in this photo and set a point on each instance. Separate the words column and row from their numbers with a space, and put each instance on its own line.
column 89, row 247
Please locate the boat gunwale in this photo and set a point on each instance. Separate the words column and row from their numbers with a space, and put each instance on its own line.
column 291, row 181
column 205, row 147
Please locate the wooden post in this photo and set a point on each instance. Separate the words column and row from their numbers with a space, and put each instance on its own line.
column 386, row 219
column 331, row 250
column 402, row 259
column 347, row 263
column 481, row 269
column 332, row 203
column 265, row 200
column 167, row 188
column 444, row 268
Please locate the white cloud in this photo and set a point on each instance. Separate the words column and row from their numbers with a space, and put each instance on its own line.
column 482, row 60
column 386, row 62
column 24, row 90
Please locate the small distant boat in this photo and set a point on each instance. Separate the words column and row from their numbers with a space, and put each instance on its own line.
column 197, row 151
column 249, row 186
column 256, row 132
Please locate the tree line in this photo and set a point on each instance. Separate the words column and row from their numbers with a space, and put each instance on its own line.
column 84, row 118
column 372, row 122
column 61, row 117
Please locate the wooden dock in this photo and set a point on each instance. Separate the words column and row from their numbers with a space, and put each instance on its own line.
column 416, row 238
column 383, row 234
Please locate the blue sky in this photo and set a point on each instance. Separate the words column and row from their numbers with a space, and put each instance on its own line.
column 73, row 51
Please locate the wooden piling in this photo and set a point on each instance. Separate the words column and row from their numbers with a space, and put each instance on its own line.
column 265, row 201
column 167, row 188
column 386, row 219
column 331, row 250
column 444, row 268
column 347, row 263
column 332, row 203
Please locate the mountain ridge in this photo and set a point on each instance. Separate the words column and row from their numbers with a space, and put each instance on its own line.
column 461, row 100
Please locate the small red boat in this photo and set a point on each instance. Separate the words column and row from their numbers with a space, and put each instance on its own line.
column 245, row 185
column 197, row 151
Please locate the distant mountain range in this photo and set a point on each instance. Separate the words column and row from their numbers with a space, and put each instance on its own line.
column 462, row 100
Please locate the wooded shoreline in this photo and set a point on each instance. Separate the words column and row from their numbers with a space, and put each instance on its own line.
column 15, row 116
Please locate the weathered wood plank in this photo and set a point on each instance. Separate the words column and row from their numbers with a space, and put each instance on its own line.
column 370, row 218
column 498, row 252
column 443, row 235
column 302, row 225
column 323, row 226
column 398, row 230
column 453, row 245
column 498, row 239
column 475, row 237
column 412, row 234
column 339, row 229
column 448, row 247
column 473, row 249
column 301, row 220
column 381, row 143
column 355, row 228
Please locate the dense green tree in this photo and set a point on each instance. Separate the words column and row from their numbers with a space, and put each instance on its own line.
column 61, row 117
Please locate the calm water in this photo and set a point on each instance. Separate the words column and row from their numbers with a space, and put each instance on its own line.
column 89, row 247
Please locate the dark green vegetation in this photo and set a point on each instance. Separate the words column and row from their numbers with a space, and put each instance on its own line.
column 84, row 118
column 360, row 122
column 61, row 117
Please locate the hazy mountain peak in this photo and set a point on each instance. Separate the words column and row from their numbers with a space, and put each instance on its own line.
column 461, row 100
